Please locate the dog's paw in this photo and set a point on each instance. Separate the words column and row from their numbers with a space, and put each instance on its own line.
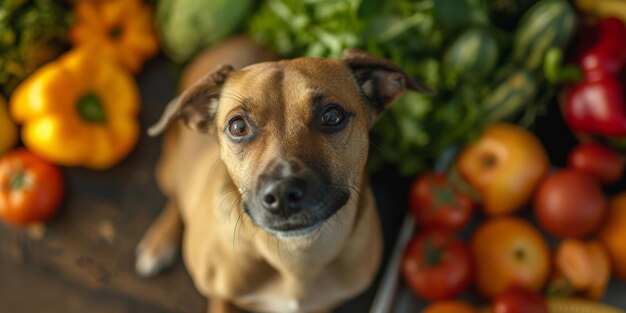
column 149, row 262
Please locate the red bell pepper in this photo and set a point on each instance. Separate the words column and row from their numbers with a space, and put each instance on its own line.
column 596, row 104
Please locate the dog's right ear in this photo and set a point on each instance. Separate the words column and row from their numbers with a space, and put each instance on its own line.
column 197, row 105
column 380, row 81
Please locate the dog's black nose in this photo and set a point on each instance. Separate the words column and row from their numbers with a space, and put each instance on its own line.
column 283, row 196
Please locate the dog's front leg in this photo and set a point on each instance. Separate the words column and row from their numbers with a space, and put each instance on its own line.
column 159, row 246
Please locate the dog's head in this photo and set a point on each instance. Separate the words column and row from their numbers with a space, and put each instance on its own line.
column 293, row 134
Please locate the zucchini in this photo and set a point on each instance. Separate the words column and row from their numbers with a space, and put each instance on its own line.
column 548, row 24
column 510, row 97
column 472, row 55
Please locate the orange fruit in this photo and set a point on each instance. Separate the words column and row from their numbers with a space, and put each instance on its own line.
column 613, row 234
column 509, row 252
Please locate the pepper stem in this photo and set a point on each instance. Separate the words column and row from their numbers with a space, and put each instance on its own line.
column 90, row 108
column 557, row 73
column 115, row 32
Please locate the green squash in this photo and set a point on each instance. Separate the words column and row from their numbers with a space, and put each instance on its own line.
column 473, row 55
column 548, row 24
column 187, row 26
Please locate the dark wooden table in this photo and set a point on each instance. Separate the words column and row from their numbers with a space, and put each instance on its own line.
column 83, row 260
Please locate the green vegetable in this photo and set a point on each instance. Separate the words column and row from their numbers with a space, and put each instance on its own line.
column 187, row 26
column 32, row 32
column 313, row 28
column 473, row 55
column 450, row 45
column 510, row 97
column 456, row 14
column 548, row 24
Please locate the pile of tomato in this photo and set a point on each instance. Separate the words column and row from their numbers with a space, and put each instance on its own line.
column 506, row 175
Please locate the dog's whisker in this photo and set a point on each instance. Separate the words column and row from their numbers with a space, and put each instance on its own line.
column 240, row 228
column 267, row 242
column 277, row 247
column 288, row 251
column 237, row 224
column 234, row 95
column 237, row 93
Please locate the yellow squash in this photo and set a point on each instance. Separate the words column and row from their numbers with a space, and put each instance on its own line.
column 80, row 110
column 603, row 8
column 122, row 28
column 8, row 131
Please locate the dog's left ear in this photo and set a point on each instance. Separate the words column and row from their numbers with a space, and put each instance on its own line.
column 197, row 105
column 381, row 81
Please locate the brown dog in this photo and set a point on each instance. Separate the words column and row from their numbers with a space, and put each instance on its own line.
column 268, row 180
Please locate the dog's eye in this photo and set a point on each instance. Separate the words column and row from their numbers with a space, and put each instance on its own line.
column 238, row 127
column 332, row 117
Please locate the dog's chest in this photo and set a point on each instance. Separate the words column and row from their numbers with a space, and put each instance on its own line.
column 288, row 297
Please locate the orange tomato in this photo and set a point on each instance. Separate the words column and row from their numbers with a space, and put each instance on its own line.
column 613, row 234
column 31, row 190
column 585, row 266
column 504, row 166
column 509, row 252
column 450, row 307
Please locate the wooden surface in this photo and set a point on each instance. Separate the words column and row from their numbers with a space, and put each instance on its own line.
column 83, row 260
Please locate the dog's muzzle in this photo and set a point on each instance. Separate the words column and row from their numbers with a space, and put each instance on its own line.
column 289, row 202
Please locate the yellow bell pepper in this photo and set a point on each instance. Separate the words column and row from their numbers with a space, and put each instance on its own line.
column 604, row 8
column 79, row 110
column 122, row 28
column 8, row 131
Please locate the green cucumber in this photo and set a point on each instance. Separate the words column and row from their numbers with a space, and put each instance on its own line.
column 473, row 55
column 547, row 24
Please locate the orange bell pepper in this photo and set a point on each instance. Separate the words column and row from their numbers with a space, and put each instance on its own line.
column 123, row 29
column 585, row 266
column 78, row 110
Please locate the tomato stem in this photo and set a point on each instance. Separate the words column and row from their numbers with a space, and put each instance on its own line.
column 443, row 196
column 18, row 181
column 432, row 254
column 520, row 254
column 488, row 161
column 560, row 288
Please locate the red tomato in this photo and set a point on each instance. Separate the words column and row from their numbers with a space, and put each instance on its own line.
column 438, row 204
column 597, row 161
column 30, row 189
column 437, row 266
column 519, row 300
column 450, row 307
column 570, row 204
